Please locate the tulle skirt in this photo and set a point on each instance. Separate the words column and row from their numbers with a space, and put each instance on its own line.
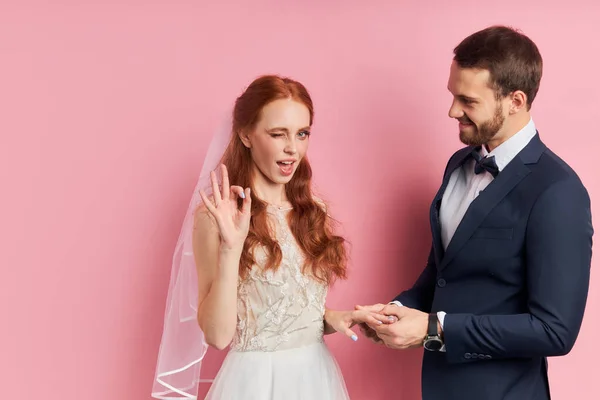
column 304, row 373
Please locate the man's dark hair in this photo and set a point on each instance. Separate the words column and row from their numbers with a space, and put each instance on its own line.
column 513, row 60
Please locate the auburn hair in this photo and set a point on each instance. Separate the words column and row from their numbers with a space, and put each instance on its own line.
column 325, row 252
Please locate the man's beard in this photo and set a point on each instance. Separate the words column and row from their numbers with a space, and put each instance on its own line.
column 484, row 133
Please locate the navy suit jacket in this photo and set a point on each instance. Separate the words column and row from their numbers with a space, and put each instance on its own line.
column 513, row 280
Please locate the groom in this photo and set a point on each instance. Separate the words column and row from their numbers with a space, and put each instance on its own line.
column 507, row 277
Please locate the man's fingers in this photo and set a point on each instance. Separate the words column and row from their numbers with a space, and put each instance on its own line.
column 394, row 310
column 367, row 330
column 382, row 330
column 370, row 334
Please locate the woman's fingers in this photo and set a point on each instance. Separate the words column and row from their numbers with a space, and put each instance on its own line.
column 225, row 184
column 247, row 204
column 209, row 205
column 245, row 195
column 350, row 333
column 237, row 191
column 215, row 188
column 371, row 318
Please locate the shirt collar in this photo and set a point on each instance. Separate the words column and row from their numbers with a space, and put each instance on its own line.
column 510, row 148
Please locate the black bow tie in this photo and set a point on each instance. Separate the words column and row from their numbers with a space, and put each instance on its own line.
column 484, row 163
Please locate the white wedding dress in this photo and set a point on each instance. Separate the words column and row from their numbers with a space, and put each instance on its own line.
column 278, row 351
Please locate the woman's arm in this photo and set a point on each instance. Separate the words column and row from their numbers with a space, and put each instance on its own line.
column 220, row 230
column 218, row 269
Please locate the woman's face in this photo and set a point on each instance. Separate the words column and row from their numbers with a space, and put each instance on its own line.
column 279, row 141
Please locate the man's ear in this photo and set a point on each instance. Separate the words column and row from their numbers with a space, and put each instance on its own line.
column 518, row 101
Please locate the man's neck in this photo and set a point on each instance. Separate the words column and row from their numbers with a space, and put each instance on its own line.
column 510, row 129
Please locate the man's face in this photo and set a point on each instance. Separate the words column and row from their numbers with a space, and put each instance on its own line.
column 480, row 114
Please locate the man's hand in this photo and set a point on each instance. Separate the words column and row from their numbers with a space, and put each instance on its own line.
column 408, row 332
column 368, row 330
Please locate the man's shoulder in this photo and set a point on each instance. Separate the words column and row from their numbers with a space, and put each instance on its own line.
column 553, row 177
column 553, row 168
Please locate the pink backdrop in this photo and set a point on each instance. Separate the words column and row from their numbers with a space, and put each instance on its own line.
column 105, row 114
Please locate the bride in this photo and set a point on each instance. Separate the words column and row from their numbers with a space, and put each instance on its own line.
column 265, row 255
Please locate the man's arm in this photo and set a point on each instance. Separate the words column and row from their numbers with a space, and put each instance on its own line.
column 558, row 256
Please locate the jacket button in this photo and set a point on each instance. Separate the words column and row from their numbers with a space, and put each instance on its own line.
column 441, row 282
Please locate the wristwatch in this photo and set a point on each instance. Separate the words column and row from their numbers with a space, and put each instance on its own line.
column 433, row 341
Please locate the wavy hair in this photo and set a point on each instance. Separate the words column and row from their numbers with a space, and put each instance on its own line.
column 325, row 253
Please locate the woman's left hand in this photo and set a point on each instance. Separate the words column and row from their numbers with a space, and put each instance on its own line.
column 343, row 321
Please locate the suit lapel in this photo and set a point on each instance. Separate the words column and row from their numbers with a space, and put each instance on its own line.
column 434, row 212
column 483, row 204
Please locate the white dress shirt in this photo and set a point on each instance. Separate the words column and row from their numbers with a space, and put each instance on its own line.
column 464, row 186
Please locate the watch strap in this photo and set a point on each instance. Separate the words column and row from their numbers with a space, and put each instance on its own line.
column 432, row 327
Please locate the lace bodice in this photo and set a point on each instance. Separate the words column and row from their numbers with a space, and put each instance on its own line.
column 279, row 309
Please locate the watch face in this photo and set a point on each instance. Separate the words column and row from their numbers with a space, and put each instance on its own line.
column 433, row 344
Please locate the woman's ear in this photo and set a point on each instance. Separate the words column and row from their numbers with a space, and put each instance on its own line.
column 245, row 138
